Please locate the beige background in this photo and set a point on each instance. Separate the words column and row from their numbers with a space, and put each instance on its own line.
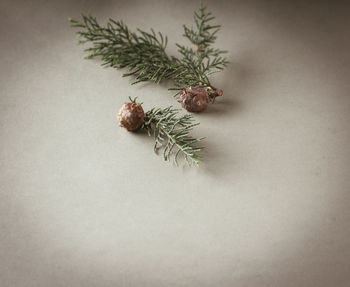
column 84, row 203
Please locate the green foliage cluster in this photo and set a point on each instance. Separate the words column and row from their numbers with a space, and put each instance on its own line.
column 202, row 60
column 171, row 132
column 144, row 55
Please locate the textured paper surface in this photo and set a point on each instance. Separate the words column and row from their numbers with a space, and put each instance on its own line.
column 84, row 203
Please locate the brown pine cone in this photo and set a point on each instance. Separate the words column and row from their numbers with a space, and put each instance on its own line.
column 131, row 116
column 194, row 99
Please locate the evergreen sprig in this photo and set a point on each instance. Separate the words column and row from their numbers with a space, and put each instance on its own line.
column 144, row 54
column 171, row 132
column 202, row 60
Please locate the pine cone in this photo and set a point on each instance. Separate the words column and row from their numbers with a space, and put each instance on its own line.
column 131, row 116
column 194, row 99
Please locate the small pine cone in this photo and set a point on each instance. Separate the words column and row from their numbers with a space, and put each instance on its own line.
column 194, row 99
column 131, row 116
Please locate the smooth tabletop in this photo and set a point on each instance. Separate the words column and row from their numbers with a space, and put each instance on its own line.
column 85, row 203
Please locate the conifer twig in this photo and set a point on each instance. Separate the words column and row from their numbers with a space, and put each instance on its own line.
column 172, row 133
column 143, row 53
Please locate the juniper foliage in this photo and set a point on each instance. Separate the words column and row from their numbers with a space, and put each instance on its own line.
column 171, row 132
column 144, row 53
